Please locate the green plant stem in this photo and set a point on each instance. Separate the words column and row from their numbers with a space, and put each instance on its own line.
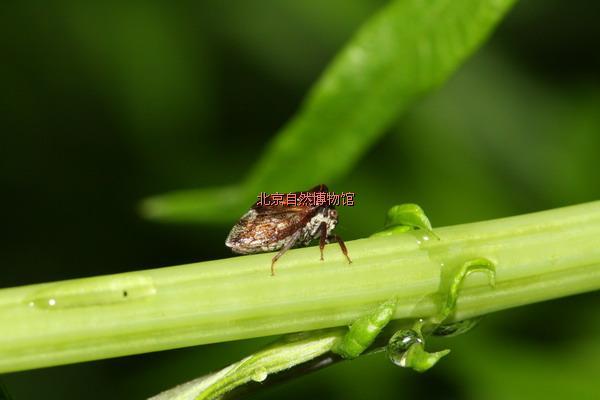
column 538, row 256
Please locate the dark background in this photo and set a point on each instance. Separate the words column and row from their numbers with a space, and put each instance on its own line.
column 104, row 104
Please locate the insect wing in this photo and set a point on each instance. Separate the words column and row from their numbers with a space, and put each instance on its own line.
column 265, row 228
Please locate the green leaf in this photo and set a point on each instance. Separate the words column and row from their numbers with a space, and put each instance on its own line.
column 403, row 51
column 364, row 330
column 405, row 217
column 291, row 350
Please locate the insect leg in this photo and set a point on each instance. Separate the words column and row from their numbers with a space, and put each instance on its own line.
column 288, row 245
column 323, row 238
column 336, row 238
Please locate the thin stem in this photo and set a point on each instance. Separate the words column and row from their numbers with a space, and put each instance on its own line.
column 318, row 363
column 538, row 256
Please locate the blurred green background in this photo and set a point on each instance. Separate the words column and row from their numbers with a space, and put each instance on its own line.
column 106, row 103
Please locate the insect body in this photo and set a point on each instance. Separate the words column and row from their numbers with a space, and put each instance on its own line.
column 283, row 226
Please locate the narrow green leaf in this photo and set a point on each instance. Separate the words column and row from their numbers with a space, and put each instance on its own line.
column 403, row 51
column 289, row 351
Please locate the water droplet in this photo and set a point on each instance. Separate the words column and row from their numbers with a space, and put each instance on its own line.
column 259, row 375
column 95, row 291
column 399, row 344
column 403, row 339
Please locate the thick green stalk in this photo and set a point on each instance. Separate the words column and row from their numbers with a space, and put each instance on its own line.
column 538, row 256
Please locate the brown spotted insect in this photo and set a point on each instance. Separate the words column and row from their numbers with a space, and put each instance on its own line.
column 283, row 226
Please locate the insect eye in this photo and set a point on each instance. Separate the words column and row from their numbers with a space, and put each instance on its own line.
column 333, row 213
